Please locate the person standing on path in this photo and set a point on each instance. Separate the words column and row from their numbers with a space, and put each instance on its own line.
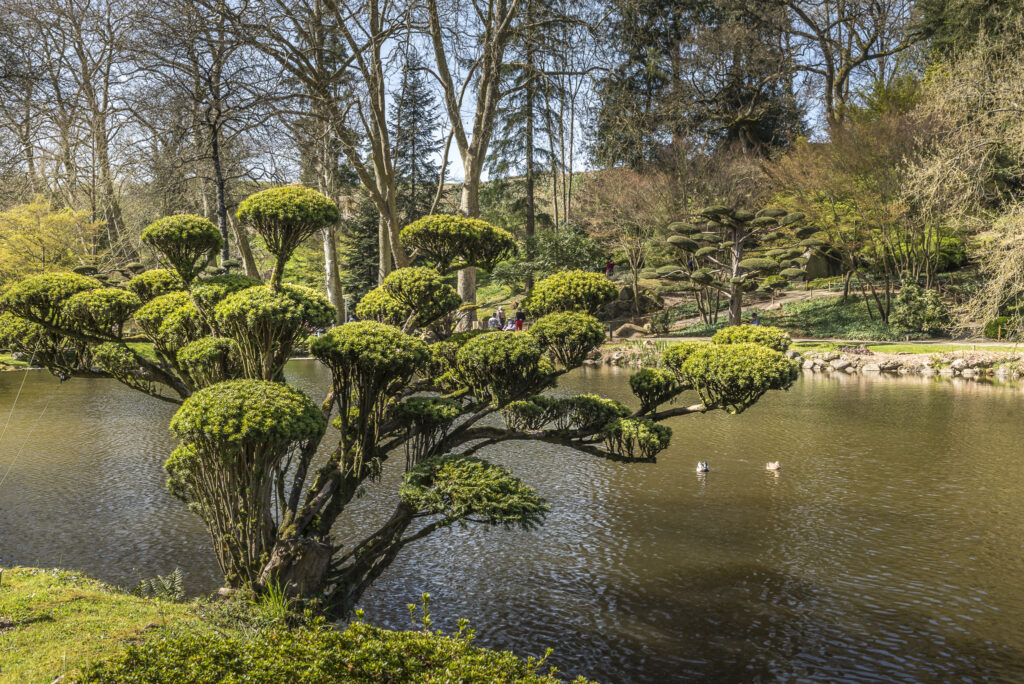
column 520, row 317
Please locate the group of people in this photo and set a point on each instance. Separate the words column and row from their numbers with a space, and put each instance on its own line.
column 498, row 320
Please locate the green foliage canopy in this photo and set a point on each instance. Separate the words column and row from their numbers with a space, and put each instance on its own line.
column 183, row 240
column 580, row 291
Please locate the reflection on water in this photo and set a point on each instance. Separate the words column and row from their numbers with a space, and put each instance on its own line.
column 890, row 547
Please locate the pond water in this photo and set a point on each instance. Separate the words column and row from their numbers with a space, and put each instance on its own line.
column 890, row 547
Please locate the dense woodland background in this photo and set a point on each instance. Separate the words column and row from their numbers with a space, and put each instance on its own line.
column 587, row 129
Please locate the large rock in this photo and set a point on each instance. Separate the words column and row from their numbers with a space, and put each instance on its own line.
column 627, row 330
column 871, row 368
column 840, row 364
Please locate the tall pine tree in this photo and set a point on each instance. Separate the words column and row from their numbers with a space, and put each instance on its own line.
column 415, row 139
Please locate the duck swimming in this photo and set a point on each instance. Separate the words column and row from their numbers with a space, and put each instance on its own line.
column 773, row 465
column 702, row 467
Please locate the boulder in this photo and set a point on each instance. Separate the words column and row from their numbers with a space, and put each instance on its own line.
column 808, row 364
column 840, row 364
column 871, row 368
column 792, row 354
column 627, row 330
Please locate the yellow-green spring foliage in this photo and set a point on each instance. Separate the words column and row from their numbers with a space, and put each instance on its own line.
column 149, row 285
column 461, row 487
column 359, row 654
column 210, row 360
column 652, row 386
column 418, row 290
column 771, row 337
column 207, row 293
column 41, row 299
column 265, row 323
column 733, row 376
column 286, row 216
column 501, row 367
column 458, row 241
column 102, row 312
column 183, row 240
column 636, row 438
column 231, row 417
column 568, row 336
column 585, row 413
column 369, row 361
column 581, row 291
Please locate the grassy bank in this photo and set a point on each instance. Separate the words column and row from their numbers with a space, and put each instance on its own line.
column 57, row 623
column 52, row 622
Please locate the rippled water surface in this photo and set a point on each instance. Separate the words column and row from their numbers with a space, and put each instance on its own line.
column 891, row 546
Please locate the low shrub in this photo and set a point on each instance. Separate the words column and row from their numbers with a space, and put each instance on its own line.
column 361, row 653
column 766, row 335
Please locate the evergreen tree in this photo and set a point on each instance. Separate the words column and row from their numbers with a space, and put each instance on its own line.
column 953, row 26
column 415, row 117
column 714, row 69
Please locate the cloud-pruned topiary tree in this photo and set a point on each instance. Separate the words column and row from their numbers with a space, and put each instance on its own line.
column 456, row 242
column 284, row 217
column 726, row 252
column 183, row 241
column 582, row 291
column 257, row 460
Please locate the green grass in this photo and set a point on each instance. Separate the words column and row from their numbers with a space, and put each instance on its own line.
column 910, row 348
column 53, row 622
column 6, row 360
column 57, row 623
column 831, row 317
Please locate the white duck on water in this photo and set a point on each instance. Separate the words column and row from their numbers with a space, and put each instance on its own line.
column 702, row 467
column 773, row 465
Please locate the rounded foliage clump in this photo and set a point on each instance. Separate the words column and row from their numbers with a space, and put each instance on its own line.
column 265, row 323
column 423, row 292
column 769, row 336
column 581, row 291
column 463, row 487
column 734, row 376
column 377, row 305
column 759, row 264
column 286, row 216
column 152, row 315
column 589, row 413
column 653, row 386
column 636, row 438
column 210, row 360
column 149, row 285
column 41, row 299
column 503, row 367
column 102, row 312
column 568, row 336
column 232, row 416
column 378, row 354
column 171, row 321
column 183, row 240
column 674, row 357
column 207, row 293
column 235, row 435
column 458, row 241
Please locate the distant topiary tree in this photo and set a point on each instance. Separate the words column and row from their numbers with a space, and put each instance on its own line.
column 270, row 472
column 726, row 252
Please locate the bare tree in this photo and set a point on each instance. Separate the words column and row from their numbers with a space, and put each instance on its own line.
column 838, row 40
column 191, row 54
column 469, row 42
